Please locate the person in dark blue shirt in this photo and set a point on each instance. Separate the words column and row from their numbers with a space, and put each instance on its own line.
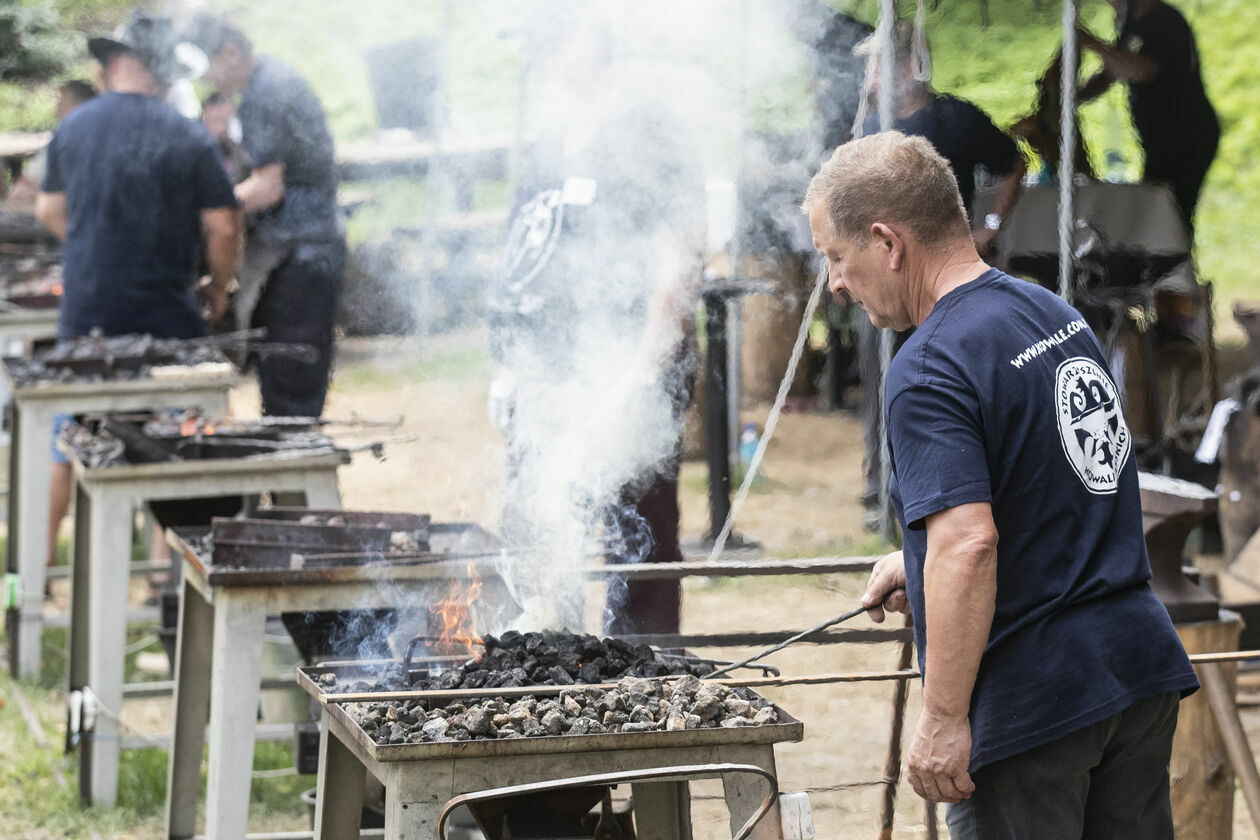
column 296, row 249
column 135, row 190
column 130, row 186
column 1051, row 672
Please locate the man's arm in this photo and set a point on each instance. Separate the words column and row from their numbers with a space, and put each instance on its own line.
column 1003, row 202
column 221, row 227
column 264, row 188
column 50, row 209
column 1118, row 62
column 960, row 591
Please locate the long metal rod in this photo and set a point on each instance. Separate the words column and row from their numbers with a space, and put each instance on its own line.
column 831, row 622
column 1067, row 148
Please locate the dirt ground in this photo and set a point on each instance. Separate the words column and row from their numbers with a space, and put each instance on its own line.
column 808, row 507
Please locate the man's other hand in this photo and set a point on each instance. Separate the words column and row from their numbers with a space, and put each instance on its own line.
column 886, row 588
column 939, row 756
column 214, row 299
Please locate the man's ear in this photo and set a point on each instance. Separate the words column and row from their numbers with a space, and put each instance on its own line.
column 889, row 241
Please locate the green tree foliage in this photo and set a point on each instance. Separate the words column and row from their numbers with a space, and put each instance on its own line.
column 33, row 45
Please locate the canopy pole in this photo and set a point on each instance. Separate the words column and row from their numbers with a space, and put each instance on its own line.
column 887, row 118
column 1067, row 148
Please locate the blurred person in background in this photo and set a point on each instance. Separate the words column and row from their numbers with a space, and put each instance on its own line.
column 1155, row 53
column 966, row 137
column 70, row 95
column 218, row 114
column 295, row 248
column 137, row 194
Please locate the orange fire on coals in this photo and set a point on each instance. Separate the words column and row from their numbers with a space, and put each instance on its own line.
column 455, row 616
column 190, row 426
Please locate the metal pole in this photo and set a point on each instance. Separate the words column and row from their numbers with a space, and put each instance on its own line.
column 1067, row 149
column 887, row 119
column 735, row 337
column 718, row 433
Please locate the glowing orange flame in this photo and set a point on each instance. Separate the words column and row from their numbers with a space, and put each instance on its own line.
column 209, row 429
column 455, row 616
column 57, row 289
column 188, row 427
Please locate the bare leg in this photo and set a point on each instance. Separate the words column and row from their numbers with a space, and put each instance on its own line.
column 62, row 482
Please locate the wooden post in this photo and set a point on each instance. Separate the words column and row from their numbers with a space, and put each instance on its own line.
column 1220, row 695
column 1201, row 775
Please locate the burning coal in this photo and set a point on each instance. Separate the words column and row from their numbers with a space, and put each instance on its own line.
column 635, row 705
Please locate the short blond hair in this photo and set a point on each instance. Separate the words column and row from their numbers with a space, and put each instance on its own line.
column 892, row 178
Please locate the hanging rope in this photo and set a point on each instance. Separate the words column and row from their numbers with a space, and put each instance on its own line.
column 772, row 420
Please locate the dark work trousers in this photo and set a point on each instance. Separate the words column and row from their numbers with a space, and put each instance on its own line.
column 654, row 606
column 298, row 305
column 1106, row 781
column 1184, row 172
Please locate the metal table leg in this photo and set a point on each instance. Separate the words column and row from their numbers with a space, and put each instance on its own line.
column 109, row 558
column 662, row 810
column 322, row 491
column 192, row 708
column 236, row 671
column 29, row 486
column 744, row 793
column 339, row 804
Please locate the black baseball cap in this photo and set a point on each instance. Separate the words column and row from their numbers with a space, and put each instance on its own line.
column 152, row 39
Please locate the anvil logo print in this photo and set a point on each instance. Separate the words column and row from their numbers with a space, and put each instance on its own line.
column 1091, row 424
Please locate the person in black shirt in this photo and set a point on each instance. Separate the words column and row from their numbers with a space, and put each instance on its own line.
column 296, row 247
column 1156, row 54
column 132, row 188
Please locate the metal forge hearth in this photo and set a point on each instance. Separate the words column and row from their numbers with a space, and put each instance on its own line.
column 127, row 373
column 121, row 462
column 435, row 749
column 309, row 565
column 30, row 292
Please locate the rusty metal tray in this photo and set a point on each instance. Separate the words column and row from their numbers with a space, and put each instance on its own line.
column 787, row 729
column 450, row 542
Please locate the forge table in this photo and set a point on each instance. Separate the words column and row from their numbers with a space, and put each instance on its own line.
column 219, row 646
column 421, row 779
column 30, row 463
column 105, row 498
column 24, row 324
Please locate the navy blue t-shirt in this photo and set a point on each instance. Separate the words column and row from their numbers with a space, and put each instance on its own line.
column 136, row 176
column 963, row 135
column 1003, row 396
column 283, row 122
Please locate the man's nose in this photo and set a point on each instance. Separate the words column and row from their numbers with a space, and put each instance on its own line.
column 834, row 281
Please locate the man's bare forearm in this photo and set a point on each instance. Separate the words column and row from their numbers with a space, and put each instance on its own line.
column 50, row 209
column 960, row 591
column 223, row 247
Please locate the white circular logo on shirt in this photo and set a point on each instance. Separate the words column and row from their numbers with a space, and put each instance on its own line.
column 1091, row 423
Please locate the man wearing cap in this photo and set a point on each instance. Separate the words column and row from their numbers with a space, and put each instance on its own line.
column 1051, row 671
column 138, row 194
column 295, row 250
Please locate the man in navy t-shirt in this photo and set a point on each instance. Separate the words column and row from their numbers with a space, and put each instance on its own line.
column 1051, row 672
column 130, row 187
column 134, row 190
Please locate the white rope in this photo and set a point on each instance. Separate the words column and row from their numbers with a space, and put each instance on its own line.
column 921, row 56
column 772, row 419
column 1067, row 148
